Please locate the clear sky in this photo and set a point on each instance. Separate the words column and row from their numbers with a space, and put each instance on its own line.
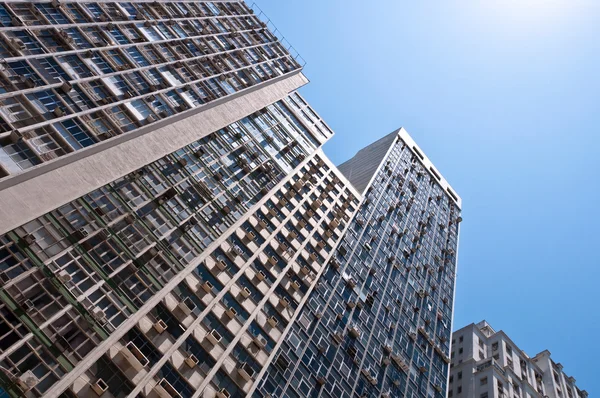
column 504, row 98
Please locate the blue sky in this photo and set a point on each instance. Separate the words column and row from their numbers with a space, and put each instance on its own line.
column 503, row 96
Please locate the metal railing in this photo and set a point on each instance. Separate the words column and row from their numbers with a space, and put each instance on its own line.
column 259, row 13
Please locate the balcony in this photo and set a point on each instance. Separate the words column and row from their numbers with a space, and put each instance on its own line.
column 164, row 389
column 246, row 372
column 134, row 357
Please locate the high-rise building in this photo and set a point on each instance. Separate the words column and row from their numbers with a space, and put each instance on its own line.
column 488, row 364
column 170, row 227
column 165, row 207
column 378, row 322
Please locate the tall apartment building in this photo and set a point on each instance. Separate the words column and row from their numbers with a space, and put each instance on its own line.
column 378, row 321
column 488, row 364
column 165, row 207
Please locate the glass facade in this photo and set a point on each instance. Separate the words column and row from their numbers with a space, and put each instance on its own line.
column 378, row 322
column 77, row 73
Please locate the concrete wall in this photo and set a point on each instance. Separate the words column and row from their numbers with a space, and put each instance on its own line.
column 48, row 186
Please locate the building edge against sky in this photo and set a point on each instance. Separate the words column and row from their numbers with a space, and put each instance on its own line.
column 487, row 364
column 169, row 221
column 379, row 321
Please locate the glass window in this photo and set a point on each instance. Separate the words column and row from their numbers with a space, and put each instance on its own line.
column 51, row 71
column 130, row 9
column 137, row 82
column 149, row 32
column 5, row 18
column 117, row 59
column 118, row 35
column 74, row 133
column 52, row 14
column 49, row 39
column 73, row 11
column 100, row 65
column 136, row 56
column 79, row 40
column 21, row 155
column 165, row 31
column 74, row 66
column 95, row 36
column 30, row 45
column 45, row 100
column 23, row 69
column 95, row 10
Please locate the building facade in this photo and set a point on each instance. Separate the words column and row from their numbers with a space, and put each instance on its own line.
column 165, row 205
column 488, row 364
column 170, row 226
column 378, row 323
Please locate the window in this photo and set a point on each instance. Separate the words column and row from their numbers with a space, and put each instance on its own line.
column 52, row 14
column 5, row 18
column 460, row 339
column 459, row 390
column 460, row 351
column 74, row 133
column 460, row 375
column 74, row 66
column 450, row 393
column 451, row 379
column 484, row 395
column 483, row 381
column 495, row 346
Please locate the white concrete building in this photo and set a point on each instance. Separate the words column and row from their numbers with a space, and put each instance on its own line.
column 488, row 364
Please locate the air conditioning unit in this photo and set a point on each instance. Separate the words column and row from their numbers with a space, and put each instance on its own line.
column 245, row 292
column 160, row 326
column 214, row 337
column 221, row 264
column 191, row 361
column 99, row 387
column 260, row 341
column 273, row 321
column 187, row 306
column 231, row 312
column 260, row 275
column 223, row 393
column 134, row 356
column 17, row 43
column 284, row 302
column 354, row 332
column 99, row 315
column 164, row 389
column 27, row 381
column 295, row 285
column 246, row 371
column 64, row 276
column 207, row 287
column 251, row 236
column 28, row 305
